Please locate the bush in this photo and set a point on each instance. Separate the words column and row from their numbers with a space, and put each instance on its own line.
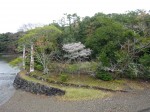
column 38, row 67
column 104, row 75
column 137, row 71
column 63, row 77
column 145, row 60
column 132, row 71
column 130, row 74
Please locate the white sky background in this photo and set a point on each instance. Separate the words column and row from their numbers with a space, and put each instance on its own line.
column 15, row 13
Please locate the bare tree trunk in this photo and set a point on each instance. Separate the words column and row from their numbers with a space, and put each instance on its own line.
column 32, row 59
column 23, row 60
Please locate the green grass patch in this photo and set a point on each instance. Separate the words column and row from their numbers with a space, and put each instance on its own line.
column 83, row 94
column 91, row 81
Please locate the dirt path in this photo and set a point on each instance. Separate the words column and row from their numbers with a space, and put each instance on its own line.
column 121, row 102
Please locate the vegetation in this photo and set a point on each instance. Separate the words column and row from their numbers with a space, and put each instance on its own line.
column 104, row 46
column 16, row 62
column 101, row 74
column 63, row 77
column 83, row 94
column 120, row 84
column 8, row 42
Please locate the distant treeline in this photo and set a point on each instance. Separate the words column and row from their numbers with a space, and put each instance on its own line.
column 9, row 42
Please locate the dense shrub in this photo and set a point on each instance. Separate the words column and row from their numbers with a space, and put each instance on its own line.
column 145, row 60
column 104, row 75
column 38, row 67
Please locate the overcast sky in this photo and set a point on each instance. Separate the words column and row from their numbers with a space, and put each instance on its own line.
column 15, row 13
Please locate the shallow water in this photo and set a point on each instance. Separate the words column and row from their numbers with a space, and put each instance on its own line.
column 7, row 76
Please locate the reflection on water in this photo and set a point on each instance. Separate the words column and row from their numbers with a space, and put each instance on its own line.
column 7, row 76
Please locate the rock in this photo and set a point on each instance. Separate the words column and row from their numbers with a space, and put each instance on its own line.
column 36, row 88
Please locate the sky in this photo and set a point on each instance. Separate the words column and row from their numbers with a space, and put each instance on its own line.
column 15, row 13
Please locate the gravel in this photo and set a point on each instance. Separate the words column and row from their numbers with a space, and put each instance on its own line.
column 137, row 101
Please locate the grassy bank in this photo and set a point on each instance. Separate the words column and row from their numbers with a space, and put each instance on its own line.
column 121, row 84
column 71, row 93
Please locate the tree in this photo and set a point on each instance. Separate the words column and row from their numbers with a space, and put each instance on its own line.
column 137, row 21
column 28, row 39
column 22, row 44
column 76, row 51
column 105, row 36
column 70, row 24
column 8, row 42
column 46, row 45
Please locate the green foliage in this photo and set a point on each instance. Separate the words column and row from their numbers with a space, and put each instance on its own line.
column 63, row 77
column 46, row 45
column 104, row 75
column 104, row 58
column 16, row 62
column 102, row 38
column 38, row 67
column 145, row 60
column 8, row 42
column 72, row 68
column 145, row 66
column 132, row 71
column 71, row 30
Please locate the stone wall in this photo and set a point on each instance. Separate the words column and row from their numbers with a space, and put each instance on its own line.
column 36, row 88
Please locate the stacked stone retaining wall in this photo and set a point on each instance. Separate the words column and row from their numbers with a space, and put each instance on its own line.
column 36, row 88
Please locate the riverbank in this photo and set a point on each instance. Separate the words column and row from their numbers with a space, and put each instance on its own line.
column 121, row 102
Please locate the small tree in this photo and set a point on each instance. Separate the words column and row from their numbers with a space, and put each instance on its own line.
column 76, row 51
column 28, row 40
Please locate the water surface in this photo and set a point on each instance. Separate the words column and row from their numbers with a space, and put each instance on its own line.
column 7, row 76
